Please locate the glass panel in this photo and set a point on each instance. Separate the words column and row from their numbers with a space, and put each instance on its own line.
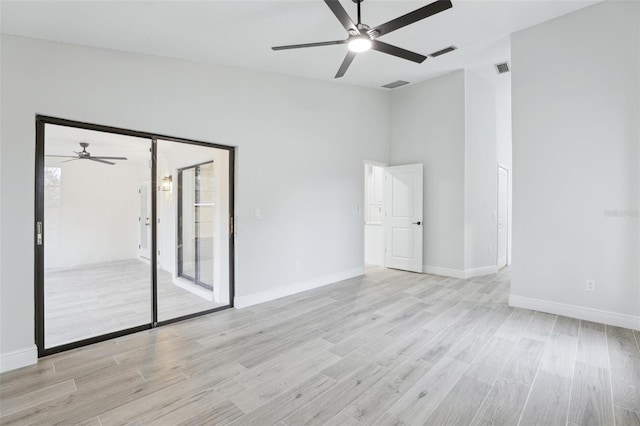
column 96, row 277
column 193, row 274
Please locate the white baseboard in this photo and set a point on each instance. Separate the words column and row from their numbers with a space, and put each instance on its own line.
column 573, row 311
column 459, row 273
column 17, row 359
column 478, row 272
column 443, row 272
column 277, row 293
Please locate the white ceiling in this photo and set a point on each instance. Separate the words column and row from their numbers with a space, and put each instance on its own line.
column 240, row 33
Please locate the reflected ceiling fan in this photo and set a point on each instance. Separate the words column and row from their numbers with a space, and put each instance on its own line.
column 84, row 155
column 362, row 38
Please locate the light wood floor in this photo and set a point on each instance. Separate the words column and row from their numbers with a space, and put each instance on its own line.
column 390, row 348
column 92, row 300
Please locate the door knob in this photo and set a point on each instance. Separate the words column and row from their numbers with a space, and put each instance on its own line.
column 417, row 223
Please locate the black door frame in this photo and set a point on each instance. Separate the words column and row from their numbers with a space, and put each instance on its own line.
column 40, row 239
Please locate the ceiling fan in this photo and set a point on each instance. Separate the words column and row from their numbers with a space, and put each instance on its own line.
column 84, row 155
column 362, row 38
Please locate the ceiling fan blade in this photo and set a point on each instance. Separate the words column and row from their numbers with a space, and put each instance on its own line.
column 397, row 51
column 62, row 156
column 100, row 157
column 345, row 64
column 298, row 46
column 73, row 159
column 411, row 17
column 342, row 15
column 100, row 161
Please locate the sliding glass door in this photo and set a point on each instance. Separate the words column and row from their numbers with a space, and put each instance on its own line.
column 119, row 249
column 95, row 280
column 200, row 225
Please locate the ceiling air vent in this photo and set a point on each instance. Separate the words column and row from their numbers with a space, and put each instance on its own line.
column 502, row 67
column 395, row 84
column 443, row 51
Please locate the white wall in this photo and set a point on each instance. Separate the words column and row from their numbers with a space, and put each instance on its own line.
column 428, row 127
column 301, row 145
column 99, row 203
column 481, row 174
column 576, row 120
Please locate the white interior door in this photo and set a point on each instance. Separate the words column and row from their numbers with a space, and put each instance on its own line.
column 503, row 218
column 144, row 219
column 403, row 224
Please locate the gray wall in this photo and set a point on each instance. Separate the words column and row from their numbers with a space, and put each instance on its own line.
column 575, row 156
column 428, row 126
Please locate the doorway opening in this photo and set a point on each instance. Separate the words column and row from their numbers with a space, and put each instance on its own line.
column 109, row 227
column 374, row 214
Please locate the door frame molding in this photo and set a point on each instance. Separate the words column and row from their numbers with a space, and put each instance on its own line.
column 39, row 299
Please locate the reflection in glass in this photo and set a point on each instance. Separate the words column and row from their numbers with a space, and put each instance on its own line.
column 193, row 233
column 96, row 278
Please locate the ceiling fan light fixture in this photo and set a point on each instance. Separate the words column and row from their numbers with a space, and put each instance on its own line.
column 360, row 44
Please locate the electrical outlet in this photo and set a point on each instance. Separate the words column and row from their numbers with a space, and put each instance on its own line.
column 296, row 266
column 490, row 249
column 590, row 285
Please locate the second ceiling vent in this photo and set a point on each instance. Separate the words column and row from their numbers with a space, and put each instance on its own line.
column 395, row 84
column 442, row 51
column 502, row 67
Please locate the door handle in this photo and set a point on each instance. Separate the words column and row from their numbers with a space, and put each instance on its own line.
column 417, row 223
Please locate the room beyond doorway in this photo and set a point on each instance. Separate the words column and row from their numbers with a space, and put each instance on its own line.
column 108, row 214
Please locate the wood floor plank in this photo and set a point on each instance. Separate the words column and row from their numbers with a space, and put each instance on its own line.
column 566, row 325
column 592, row 346
column 503, row 405
column 491, row 360
column 540, row 326
column 559, row 355
column 548, row 400
column 334, row 400
column 15, row 404
column 259, row 392
column 342, row 420
column 419, row 402
column 390, row 420
column 399, row 351
column 288, row 402
column 460, row 405
column 373, row 403
column 95, row 421
column 625, row 381
column 471, row 345
column 523, row 364
column 436, row 348
column 622, row 341
column 516, row 324
column 626, row 417
column 591, row 399
column 81, row 406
